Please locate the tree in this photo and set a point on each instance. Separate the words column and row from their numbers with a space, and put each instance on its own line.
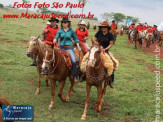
column 1, row 6
column 135, row 20
column 83, row 2
column 107, row 16
column 26, row 1
column 119, row 17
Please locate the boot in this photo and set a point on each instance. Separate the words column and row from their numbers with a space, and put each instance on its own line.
column 34, row 62
column 111, row 80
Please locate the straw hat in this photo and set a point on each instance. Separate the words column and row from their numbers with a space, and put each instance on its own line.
column 82, row 23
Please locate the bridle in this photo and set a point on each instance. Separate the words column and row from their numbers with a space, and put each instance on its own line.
column 53, row 58
column 95, row 78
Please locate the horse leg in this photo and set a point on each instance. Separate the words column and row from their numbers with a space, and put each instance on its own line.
column 46, row 80
column 39, row 80
column 99, row 94
column 71, row 88
column 103, row 92
column 88, row 87
column 62, row 84
column 135, row 45
column 52, row 84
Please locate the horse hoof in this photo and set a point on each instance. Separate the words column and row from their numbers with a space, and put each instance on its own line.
column 36, row 93
column 50, row 108
column 67, row 99
column 83, row 118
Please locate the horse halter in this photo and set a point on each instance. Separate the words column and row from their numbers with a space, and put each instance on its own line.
column 49, row 61
column 97, row 57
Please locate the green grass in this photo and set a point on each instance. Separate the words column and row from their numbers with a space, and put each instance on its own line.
column 132, row 98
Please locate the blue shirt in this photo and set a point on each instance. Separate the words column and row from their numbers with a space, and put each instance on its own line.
column 65, row 37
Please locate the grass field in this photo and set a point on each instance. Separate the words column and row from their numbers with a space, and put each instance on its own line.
column 132, row 99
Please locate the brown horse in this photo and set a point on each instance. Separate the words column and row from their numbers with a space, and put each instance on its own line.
column 149, row 39
column 35, row 44
column 137, row 38
column 160, row 42
column 54, row 64
column 155, row 36
column 95, row 75
column 3, row 101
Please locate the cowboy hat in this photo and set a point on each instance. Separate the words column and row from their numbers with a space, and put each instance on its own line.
column 65, row 20
column 48, row 23
column 52, row 19
column 104, row 24
column 82, row 23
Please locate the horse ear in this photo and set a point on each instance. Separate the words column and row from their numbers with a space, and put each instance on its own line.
column 38, row 37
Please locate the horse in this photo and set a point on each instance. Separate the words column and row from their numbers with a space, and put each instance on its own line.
column 149, row 39
column 155, row 36
column 54, row 64
column 125, row 29
column 94, row 27
column 35, row 44
column 160, row 42
column 137, row 38
column 95, row 75
column 88, row 26
column 3, row 101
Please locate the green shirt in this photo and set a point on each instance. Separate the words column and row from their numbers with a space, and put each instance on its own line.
column 65, row 37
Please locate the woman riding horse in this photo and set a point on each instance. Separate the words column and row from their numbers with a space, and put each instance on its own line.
column 66, row 33
column 105, row 39
column 82, row 35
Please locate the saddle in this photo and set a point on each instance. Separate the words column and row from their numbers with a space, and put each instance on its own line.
column 83, row 47
column 68, row 57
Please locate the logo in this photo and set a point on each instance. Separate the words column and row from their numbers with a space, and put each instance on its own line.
column 17, row 112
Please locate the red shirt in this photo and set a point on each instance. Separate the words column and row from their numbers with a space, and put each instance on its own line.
column 51, row 33
column 144, row 27
column 150, row 31
column 139, row 28
column 154, row 28
column 113, row 26
column 132, row 26
column 81, row 34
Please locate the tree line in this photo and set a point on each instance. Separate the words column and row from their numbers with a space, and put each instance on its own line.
column 119, row 17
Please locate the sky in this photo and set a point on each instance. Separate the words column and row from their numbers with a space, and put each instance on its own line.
column 149, row 11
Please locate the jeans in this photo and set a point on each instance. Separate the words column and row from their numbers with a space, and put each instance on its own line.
column 87, row 46
column 73, row 60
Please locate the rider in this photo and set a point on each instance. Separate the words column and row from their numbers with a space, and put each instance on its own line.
column 82, row 35
column 131, row 27
column 49, row 32
column 114, row 29
column 139, row 27
column 66, row 34
column 105, row 39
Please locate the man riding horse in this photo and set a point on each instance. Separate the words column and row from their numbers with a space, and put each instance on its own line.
column 114, row 29
column 49, row 32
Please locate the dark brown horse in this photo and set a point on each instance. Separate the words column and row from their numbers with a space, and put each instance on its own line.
column 3, row 101
column 149, row 39
column 137, row 38
column 54, row 64
column 35, row 44
column 95, row 75
column 155, row 36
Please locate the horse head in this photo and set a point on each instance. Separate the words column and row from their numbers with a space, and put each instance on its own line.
column 94, row 54
column 33, row 42
column 48, row 60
